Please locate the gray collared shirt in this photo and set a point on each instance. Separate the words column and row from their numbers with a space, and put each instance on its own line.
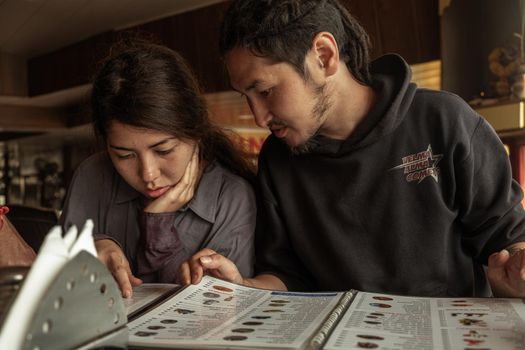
column 221, row 216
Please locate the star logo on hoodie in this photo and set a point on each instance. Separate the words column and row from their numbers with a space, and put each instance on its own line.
column 419, row 166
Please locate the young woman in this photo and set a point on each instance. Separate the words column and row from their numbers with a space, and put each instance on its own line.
column 169, row 182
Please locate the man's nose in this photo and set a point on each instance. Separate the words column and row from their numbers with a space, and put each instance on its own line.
column 261, row 113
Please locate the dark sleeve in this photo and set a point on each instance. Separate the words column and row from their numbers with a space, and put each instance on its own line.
column 490, row 200
column 163, row 251
column 275, row 254
column 100, row 236
column 85, row 196
column 234, row 227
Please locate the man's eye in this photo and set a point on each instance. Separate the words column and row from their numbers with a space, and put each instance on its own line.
column 266, row 93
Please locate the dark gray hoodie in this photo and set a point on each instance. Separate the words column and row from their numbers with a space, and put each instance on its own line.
column 412, row 203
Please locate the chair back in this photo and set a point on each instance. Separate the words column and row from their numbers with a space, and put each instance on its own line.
column 32, row 223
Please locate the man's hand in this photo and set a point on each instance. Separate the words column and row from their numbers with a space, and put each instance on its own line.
column 180, row 194
column 113, row 257
column 506, row 272
column 208, row 261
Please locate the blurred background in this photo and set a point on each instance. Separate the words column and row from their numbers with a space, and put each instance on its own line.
column 49, row 50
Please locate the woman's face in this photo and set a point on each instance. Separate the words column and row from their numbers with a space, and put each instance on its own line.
column 150, row 161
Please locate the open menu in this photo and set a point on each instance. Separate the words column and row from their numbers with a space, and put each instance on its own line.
column 380, row 321
column 218, row 314
column 147, row 295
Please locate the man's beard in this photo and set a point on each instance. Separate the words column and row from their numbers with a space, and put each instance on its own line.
column 322, row 104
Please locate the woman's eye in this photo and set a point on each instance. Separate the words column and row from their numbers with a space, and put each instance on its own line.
column 124, row 156
column 164, row 151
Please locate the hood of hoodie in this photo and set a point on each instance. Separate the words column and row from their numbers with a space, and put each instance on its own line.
column 391, row 77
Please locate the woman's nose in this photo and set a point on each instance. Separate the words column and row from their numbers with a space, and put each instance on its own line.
column 149, row 170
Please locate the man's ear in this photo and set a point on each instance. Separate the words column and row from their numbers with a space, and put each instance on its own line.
column 326, row 52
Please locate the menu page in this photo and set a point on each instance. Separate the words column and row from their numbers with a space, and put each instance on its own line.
column 380, row 321
column 146, row 294
column 221, row 314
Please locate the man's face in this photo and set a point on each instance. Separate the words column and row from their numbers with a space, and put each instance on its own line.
column 294, row 109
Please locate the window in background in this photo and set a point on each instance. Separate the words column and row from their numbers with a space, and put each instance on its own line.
column 515, row 148
column 520, row 169
column 427, row 75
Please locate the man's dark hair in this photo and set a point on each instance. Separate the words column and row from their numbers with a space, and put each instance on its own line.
column 283, row 30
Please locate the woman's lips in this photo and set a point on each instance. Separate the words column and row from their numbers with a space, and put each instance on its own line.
column 157, row 192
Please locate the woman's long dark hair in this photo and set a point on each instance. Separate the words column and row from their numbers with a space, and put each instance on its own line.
column 150, row 86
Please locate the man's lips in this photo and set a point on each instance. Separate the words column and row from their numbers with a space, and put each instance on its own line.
column 280, row 131
column 157, row 192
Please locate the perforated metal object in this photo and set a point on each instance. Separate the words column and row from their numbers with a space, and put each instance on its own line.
column 82, row 309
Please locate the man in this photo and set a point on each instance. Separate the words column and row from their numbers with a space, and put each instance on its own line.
column 367, row 182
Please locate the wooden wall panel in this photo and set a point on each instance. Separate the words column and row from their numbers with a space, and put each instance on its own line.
column 177, row 32
column 194, row 34
column 209, row 63
column 398, row 28
column 408, row 27
column 20, row 118
column 13, row 75
column 68, row 67
column 428, row 29
column 365, row 13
